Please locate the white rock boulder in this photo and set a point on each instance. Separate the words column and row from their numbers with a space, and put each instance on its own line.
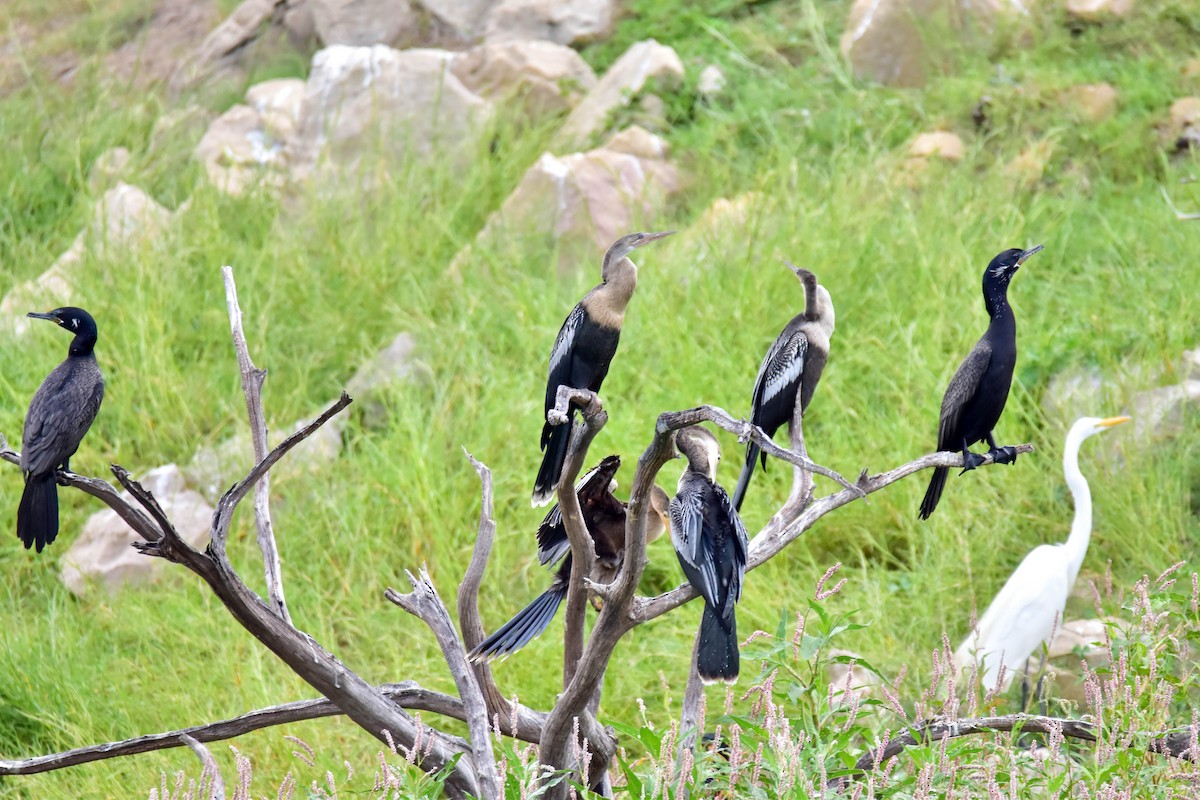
column 642, row 63
column 247, row 144
column 585, row 201
column 365, row 22
column 104, row 556
column 362, row 101
column 561, row 21
column 545, row 77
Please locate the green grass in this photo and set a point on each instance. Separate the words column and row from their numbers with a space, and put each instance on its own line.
column 325, row 284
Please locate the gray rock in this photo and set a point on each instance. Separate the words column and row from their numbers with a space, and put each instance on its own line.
column 884, row 41
column 1190, row 365
column 360, row 23
column 247, row 144
column 711, row 83
column 124, row 217
column 392, row 365
column 1182, row 128
column 643, row 62
column 108, row 168
column 378, row 100
column 461, row 19
column 1099, row 10
column 584, row 201
column 103, row 554
column 1074, row 393
column 561, row 21
column 213, row 54
column 1159, row 413
column 298, row 21
column 546, row 77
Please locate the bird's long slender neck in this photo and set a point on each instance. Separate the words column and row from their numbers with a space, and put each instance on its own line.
column 995, row 300
column 82, row 346
column 812, row 309
column 1081, row 526
column 607, row 302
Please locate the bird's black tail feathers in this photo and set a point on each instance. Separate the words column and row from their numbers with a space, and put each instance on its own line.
column 552, row 462
column 524, row 627
column 37, row 516
column 739, row 493
column 717, row 658
column 934, row 493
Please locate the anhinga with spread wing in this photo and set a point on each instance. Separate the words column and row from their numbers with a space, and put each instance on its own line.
column 978, row 391
column 1027, row 608
column 604, row 516
column 60, row 413
column 584, row 349
column 712, row 547
column 789, row 371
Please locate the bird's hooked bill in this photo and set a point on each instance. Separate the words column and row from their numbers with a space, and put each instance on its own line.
column 43, row 315
column 1111, row 421
column 1035, row 249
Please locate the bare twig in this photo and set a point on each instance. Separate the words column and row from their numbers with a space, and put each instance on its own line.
column 209, row 768
column 1179, row 215
column 780, row 532
column 424, row 603
column 1176, row 744
column 469, row 620
column 407, row 694
column 252, row 383
column 674, row 420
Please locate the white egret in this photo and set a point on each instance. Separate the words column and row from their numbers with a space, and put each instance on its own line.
column 1029, row 605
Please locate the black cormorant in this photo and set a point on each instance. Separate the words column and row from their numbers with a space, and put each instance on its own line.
column 584, row 348
column 604, row 516
column 59, row 415
column 978, row 391
column 792, row 367
column 712, row 545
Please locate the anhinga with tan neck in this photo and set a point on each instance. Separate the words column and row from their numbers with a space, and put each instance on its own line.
column 59, row 415
column 789, row 371
column 604, row 515
column 712, row 547
column 1030, row 605
column 975, row 398
column 584, row 349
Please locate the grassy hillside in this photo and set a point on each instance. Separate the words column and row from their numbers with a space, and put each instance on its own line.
column 325, row 284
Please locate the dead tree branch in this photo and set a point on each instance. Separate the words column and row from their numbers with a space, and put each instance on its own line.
column 252, row 383
column 406, row 694
column 783, row 530
column 470, row 622
column 583, row 549
column 1176, row 744
column 424, row 603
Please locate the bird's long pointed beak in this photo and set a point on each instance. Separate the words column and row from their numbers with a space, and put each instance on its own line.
column 651, row 237
column 792, row 267
column 1035, row 249
column 1111, row 421
column 41, row 315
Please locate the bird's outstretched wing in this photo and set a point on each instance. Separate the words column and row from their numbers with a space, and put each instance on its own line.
column 959, row 393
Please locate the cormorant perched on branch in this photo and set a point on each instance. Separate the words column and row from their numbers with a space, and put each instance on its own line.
column 604, row 516
column 978, row 391
column 59, row 415
column 712, row 546
column 584, row 348
column 791, row 368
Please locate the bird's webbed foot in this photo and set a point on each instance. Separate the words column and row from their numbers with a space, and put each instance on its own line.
column 1004, row 455
column 971, row 461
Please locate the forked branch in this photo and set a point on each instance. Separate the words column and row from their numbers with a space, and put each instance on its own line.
column 252, row 383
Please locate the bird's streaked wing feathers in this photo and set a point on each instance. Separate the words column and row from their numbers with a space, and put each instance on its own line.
column 962, row 388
